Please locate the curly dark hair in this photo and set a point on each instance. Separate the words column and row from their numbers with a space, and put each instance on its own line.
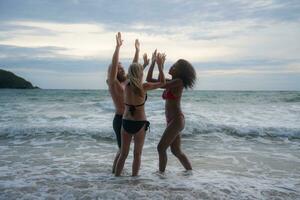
column 187, row 73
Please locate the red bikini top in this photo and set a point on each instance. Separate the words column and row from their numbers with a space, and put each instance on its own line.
column 167, row 94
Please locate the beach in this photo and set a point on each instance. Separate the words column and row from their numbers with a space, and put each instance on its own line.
column 59, row 144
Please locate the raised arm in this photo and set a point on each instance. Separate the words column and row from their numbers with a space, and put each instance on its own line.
column 160, row 78
column 146, row 60
column 115, row 59
column 160, row 63
column 150, row 71
column 137, row 51
column 154, row 85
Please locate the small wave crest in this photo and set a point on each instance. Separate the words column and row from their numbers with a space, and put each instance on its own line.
column 56, row 132
column 106, row 132
column 244, row 131
column 293, row 99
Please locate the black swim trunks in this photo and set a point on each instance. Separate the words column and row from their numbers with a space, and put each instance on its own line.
column 117, row 125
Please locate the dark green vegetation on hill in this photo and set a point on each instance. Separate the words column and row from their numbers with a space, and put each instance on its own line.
column 10, row 80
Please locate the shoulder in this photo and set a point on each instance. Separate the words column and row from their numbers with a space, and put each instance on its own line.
column 111, row 82
column 174, row 83
column 177, row 80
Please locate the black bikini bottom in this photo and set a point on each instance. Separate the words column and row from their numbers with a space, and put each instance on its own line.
column 132, row 126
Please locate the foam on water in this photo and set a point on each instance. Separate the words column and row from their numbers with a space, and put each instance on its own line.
column 60, row 144
column 253, row 114
column 72, row 169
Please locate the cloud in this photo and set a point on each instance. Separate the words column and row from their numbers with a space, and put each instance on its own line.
column 211, row 73
column 70, row 40
column 13, row 52
column 221, row 38
column 286, row 81
column 62, row 65
column 168, row 12
column 222, row 41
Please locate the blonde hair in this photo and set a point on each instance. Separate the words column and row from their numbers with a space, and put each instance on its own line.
column 135, row 72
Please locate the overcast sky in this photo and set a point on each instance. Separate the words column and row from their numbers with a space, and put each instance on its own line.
column 233, row 44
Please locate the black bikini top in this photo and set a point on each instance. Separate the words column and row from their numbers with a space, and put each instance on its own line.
column 132, row 108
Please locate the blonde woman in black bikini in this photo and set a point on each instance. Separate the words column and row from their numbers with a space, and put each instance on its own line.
column 183, row 76
column 134, row 123
column 116, row 81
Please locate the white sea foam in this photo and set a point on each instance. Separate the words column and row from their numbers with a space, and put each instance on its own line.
column 60, row 144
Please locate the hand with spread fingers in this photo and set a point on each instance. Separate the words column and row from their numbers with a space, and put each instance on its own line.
column 160, row 59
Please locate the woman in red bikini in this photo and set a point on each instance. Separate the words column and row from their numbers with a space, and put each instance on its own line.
column 183, row 76
column 134, row 122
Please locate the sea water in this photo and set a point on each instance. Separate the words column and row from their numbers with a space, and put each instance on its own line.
column 59, row 144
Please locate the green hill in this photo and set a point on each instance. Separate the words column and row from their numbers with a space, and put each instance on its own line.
column 10, row 80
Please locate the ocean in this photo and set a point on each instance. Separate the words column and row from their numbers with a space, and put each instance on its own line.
column 59, row 144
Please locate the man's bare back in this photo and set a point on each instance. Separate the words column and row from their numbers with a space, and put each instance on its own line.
column 116, row 90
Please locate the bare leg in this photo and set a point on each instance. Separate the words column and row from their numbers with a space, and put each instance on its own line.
column 115, row 161
column 126, row 139
column 176, row 150
column 171, row 132
column 139, row 139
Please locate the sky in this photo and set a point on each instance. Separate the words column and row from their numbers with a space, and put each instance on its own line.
column 232, row 44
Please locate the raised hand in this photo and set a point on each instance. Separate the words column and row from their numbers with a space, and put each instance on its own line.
column 153, row 58
column 160, row 59
column 163, row 58
column 137, row 44
column 119, row 39
column 115, row 60
column 146, row 60
column 137, row 51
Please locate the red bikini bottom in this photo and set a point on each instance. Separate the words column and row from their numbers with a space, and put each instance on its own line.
column 170, row 120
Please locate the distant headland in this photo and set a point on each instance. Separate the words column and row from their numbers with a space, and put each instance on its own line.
column 11, row 81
